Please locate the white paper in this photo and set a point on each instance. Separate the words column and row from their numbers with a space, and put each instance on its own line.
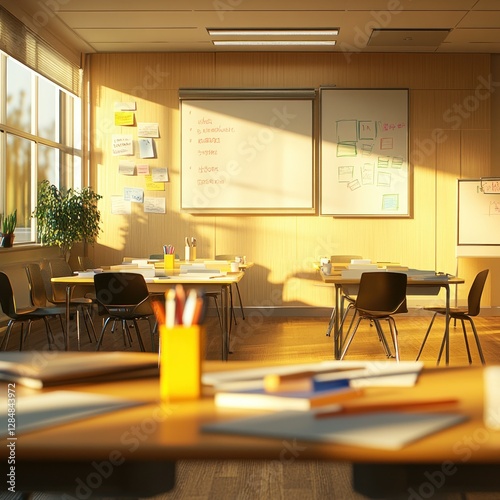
column 388, row 430
column 122, row 145
column 126, row 167
column 146, row 148
column 159, row 174
column 120, row 206
column 125, row 106
column 135, row 195
column 147, row 129
column 154, row 205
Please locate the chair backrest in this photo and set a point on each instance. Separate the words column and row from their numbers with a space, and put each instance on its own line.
column 58, row 268
column 120, row 289
column 382, row 293
column 475, row 293
column 37, row 285
column 7, row 300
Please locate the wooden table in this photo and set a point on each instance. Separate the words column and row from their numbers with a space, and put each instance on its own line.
column 414, row 286
column 134, row 449
column 165, row 280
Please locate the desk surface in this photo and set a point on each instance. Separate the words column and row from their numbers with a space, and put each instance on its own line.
column 172, row 431
column 337, row 279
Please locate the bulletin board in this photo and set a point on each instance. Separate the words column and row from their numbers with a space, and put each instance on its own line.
column 364, row 167
column 478, row 219
column 247, row 151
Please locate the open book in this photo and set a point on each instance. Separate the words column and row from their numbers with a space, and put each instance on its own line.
column 37, row 369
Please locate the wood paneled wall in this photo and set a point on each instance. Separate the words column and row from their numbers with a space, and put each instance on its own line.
column 450, row 131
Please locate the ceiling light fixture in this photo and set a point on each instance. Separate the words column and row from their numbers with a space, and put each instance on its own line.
column 273, row 32
column 275, row 42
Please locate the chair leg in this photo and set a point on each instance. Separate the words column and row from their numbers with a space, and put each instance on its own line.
column 105, row 324
column 443, row 343
column 6, row 337
column 394, row 333
column 329, row 328
column 466, row 341
column 425, row 337
column 476, row 336
column 349, row 338
column 139, row 338
column 382, row 338
column 50, row 337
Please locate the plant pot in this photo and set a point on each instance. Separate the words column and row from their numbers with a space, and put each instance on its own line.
column 7, row 240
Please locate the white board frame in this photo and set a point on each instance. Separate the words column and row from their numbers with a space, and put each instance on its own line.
column 478, row 220
column 281, row 180
column 364, row 161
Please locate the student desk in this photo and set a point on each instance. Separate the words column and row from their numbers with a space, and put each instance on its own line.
column 134, row 450
column 415, row 285
column 162, row 283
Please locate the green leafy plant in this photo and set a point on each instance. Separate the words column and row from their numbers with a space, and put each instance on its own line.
column 65, row 217
column 9, row 222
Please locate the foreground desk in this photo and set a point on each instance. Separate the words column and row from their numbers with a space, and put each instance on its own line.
column 133, row 451
column 161, row 284
column 416, row 286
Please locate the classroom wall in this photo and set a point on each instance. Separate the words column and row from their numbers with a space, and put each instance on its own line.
column 450, row 121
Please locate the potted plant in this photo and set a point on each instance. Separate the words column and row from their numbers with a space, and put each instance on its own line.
column 9, row 223
column 65, row 217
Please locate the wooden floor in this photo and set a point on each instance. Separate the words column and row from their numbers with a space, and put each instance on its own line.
column 271, row 338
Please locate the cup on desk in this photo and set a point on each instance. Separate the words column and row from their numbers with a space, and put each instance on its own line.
column 181, row 353
column 235, row 267
column 326, row 268
column 168, row 260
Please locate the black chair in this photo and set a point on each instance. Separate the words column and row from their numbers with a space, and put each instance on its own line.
column 57, row 294
column 24, row 315
column 123, row 297
column 462, row 314
column 39, row 298
column 380, row 296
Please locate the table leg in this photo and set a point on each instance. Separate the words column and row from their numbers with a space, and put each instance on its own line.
column 337, row 340
column 68, row 302
column 447, row 325
column 226, row 320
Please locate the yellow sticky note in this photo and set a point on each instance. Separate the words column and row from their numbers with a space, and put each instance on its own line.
column 124, row 118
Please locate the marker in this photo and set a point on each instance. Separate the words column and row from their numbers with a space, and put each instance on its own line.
column 189, row 308
column 170, row 306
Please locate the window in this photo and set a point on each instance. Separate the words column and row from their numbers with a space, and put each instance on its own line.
column 40, row 137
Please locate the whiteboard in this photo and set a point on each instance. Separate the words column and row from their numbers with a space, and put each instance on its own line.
column 247, row 155
column 364, row 152
column 478, row 218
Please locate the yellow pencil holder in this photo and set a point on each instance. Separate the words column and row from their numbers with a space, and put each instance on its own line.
column 168, row 261
column 181, row 353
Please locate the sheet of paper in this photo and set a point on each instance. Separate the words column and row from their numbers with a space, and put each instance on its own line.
column 120, row 206
column 125, row 106
column 154, row 205
column 59, row 407
column 142, row 169
column 389, row 431
column 122, row 145
column 146, row 148
column 126, row 167
column 159, row 174
column 135, row 195
column 147, row 129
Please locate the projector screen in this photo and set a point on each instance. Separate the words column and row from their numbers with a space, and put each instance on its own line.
column 247, row 155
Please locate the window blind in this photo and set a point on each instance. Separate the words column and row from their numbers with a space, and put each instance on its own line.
column 27, row 47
